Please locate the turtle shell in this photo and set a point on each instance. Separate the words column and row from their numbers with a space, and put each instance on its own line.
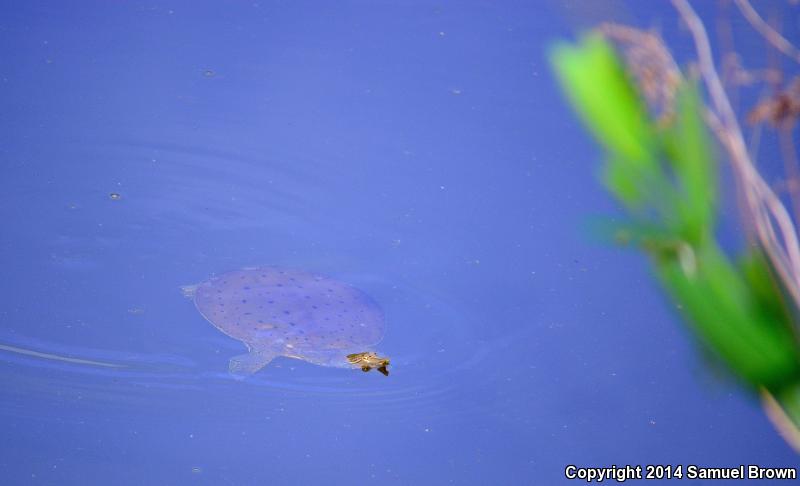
column 288, row 312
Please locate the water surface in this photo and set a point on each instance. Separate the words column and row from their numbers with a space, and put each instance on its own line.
column 417, row 151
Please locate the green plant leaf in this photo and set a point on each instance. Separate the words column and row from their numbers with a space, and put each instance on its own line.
column 687, row 146
column 729, row 319
column 600, row 90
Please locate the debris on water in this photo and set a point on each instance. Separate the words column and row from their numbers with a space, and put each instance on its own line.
column 115, row 196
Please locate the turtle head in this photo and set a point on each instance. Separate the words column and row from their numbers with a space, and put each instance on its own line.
column 369, row 360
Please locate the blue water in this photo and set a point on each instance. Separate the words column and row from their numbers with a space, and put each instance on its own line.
column 418, row 151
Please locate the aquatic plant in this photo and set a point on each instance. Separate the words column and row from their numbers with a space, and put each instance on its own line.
column 658, row 134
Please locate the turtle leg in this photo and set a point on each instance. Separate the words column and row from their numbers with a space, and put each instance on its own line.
column 246, row 364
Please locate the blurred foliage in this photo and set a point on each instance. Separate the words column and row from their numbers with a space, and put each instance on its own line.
column 664, row 173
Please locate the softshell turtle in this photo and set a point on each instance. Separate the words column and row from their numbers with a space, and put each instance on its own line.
column 278, row 311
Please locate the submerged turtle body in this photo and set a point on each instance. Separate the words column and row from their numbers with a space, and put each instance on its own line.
column 287, row 312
